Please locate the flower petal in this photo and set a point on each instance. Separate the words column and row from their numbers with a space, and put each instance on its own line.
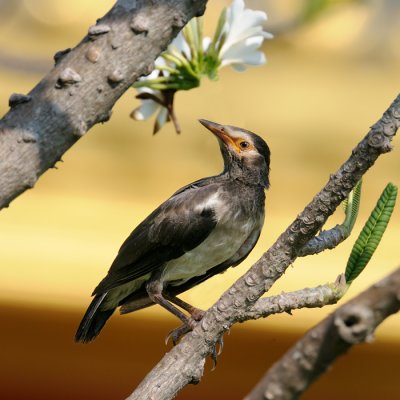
column 145, row 110
column 180, row 44
column 245, row 53
column 161, row 119
column 206, row 43
column 243, row 35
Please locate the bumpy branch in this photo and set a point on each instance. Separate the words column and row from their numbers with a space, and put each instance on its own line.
column 83, row 86
column 326, row 240
column 353, row 323
column 319, row 296
column 184, row 363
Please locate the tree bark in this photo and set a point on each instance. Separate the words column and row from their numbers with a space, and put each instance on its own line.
column 185, row 362
column 352, row 323
column 83, row 86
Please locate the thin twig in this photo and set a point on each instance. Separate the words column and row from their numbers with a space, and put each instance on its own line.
column 315, row 297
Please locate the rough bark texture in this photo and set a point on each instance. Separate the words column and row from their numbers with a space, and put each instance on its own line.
column 353, row 323
column 82, row 88
column 287, row 302
column 325, row 240
column 184, row 363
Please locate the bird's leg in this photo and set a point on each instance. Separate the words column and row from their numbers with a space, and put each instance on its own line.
column 154, row 288
column 196, row 313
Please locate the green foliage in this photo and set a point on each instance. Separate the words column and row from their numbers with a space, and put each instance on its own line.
column 313, row 8
column 183, row 71
column 351, row 206
column 371, row 234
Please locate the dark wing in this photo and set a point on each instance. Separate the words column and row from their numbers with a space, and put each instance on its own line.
column 200, row 183
column 140, row 299
column 177, row 226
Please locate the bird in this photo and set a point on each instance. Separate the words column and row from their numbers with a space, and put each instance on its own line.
column 203, row 229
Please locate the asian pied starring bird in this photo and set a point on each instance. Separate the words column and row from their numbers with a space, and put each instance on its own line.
column 203, row 229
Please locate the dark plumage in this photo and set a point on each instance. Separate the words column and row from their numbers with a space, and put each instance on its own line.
column 203, row 229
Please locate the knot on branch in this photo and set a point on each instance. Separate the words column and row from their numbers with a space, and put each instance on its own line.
column 378, row 140
column 251, row 280
column 139, row 24
column 97, row 30
column 18, row 98
column 92, row 54
column 60, row 55
column 179, row 21
column 115, row 77
column 355, row 323
column 273, row 392
column 68, row 77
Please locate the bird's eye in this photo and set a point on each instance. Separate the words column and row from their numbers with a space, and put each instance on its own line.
column 244, row 145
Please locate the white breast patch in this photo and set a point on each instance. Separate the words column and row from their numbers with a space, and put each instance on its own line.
column 223, row 243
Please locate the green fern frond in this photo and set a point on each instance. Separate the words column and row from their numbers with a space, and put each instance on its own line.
column 371, row 234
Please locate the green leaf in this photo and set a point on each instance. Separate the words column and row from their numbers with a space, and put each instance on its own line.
column 220, row 28
column 312, row 8
column 190, row 34
column 351, row 206
column 371, row 234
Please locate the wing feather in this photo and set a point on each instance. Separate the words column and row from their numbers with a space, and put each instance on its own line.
column 177, row 226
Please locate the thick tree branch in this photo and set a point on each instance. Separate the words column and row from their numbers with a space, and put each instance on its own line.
column 354, row 322
column 319, row 296
column 84, row 85
column 184, row 363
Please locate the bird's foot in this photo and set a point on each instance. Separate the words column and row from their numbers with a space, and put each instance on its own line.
column 177, row 334
column 217, row 351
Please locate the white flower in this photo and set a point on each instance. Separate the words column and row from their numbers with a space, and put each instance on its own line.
column 236, row 42
column 244, row 35
column 151, row 103
column 180, row 45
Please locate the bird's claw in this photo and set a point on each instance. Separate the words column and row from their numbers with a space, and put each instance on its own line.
column 215, row 353
column 176, row 334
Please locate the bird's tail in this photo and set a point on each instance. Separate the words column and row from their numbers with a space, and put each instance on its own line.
column 93, row 320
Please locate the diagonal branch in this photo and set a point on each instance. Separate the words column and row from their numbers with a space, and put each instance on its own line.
column 83, row 86
column 353, row 323
column 184, row 364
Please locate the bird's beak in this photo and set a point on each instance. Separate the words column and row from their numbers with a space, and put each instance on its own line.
column 219, row 131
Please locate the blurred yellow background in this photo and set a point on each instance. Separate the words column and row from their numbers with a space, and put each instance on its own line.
column 325, row 83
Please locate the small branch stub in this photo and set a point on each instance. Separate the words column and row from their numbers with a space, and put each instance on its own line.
column 139, row 24
column 179, row 21
column 18, row 98
column 68, row 77
column 93, row 54
column 97, row 30
column 60, row 55
column 115, row 77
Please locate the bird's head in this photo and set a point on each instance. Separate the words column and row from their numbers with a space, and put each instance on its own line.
column 246, row 155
